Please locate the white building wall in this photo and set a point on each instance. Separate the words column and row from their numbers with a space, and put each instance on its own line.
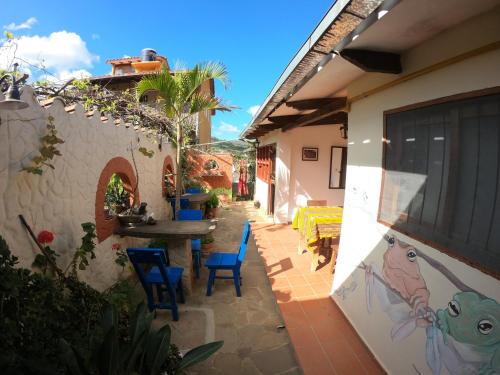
column 63, row 198
column 298, row 181
column 362, row 240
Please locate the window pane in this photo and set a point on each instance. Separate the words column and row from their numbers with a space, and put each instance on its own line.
column 442, row 177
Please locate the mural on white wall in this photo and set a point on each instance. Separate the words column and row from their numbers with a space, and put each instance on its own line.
column 461, row 338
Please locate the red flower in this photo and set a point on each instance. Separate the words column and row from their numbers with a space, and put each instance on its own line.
column 116, row 246
column 45, row 237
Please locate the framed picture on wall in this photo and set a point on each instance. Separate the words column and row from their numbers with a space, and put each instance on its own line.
column 310, row 153
column 338, row 163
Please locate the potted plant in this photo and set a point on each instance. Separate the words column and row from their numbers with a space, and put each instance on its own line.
column 212, row 204
column 207, row 244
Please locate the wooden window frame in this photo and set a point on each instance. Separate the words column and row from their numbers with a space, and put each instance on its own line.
column 431, row 243
column 343, row 165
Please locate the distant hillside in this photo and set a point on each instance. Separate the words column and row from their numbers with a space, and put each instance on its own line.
column 235, row 147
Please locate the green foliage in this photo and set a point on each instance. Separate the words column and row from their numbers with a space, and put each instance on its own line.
column 42, row 263
column 213, row 200
column 63, row 326
column 145, row 351
column 116, row 198
column 9, row 35
column 146, row 152
column 47, row 150
column 80, row 258
column 222, row 191
column 207, row 239
column 121, row 258
column 36, row 311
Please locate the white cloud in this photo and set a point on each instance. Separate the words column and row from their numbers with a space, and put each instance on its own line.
column 253, row 109
column 28, row 24
column 95, row 36
column 225, row 127
column 62, row 53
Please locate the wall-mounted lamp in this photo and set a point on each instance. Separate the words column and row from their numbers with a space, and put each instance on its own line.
column 343, row 131
column 12, row 99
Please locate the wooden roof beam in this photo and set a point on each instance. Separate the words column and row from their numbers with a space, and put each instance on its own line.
column 373, row 61
column 339, row 118
column 306, row 104
column 314, row 117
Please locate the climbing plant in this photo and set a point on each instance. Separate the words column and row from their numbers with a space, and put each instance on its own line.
column 47, row 150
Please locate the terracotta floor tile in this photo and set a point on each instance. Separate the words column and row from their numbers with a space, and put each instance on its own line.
column 280, row 283
column 297, row 280
column 283, row 295
column 302, row 292
column 321, row 290
column 302, row 336
column 324, row 340
column 342, row 358
column 313, row 360
column 314, row 278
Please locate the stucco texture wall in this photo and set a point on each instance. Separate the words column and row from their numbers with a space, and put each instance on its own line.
column 63, row 198
column 399, row 342
column 220, row 177
column 298, row 181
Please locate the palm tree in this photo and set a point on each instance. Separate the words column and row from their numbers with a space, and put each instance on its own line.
column 181, row 98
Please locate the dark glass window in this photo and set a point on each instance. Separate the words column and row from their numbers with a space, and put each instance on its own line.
column 441, row 179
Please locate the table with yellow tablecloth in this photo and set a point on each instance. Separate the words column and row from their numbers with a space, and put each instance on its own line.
column 314, row 224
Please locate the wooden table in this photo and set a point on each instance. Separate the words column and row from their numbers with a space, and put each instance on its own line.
column 178, row 235
column 196, row 199
column 314, row 224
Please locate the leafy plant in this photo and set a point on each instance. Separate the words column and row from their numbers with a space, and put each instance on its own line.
column 222, row 191
column 86, row 249
column 144, row 352
column 47, row 150
column 213, row 200
column 182, row 99
column 121, row 255
column 117, row 198
column 208, row 239
column 36, row 311
column 146, row 152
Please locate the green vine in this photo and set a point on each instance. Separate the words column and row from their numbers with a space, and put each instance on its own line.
column 146, row 152
column 86, row 249
column 47, row 150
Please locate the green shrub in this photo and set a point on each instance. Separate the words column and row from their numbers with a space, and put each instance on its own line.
column 46, row 320
column 213, row 200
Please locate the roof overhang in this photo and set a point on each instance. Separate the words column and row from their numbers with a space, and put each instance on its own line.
column 311, row 84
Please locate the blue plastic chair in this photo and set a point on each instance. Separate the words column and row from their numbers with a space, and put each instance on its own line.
column 193, row 190
column 195, row 244
column 184, row 204
column 228, row 261
column 151, row 267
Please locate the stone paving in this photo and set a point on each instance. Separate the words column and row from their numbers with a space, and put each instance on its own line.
column 253, row 343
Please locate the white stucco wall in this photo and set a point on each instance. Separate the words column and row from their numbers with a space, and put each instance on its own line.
column 362, row 237
column 63, row 198
column 297, row 181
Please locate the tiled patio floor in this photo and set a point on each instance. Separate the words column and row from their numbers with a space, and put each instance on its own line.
column 324, row 340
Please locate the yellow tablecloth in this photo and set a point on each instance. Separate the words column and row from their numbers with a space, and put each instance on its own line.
column 317, row 222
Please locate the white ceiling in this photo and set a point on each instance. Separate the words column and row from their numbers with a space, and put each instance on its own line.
column 408, row 24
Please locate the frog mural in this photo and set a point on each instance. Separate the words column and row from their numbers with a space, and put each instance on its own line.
column 471, row 326
column 462, row 339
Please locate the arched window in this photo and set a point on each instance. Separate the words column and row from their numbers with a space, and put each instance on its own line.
column 167, row 177
column 118, row 174
column 211, row 165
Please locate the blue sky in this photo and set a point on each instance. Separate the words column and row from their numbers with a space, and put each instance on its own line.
column 255, row 39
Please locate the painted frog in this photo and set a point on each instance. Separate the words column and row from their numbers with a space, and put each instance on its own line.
column 474, row 321
column 402, row 272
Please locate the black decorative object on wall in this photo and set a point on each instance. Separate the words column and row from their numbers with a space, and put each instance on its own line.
column 309, row 153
